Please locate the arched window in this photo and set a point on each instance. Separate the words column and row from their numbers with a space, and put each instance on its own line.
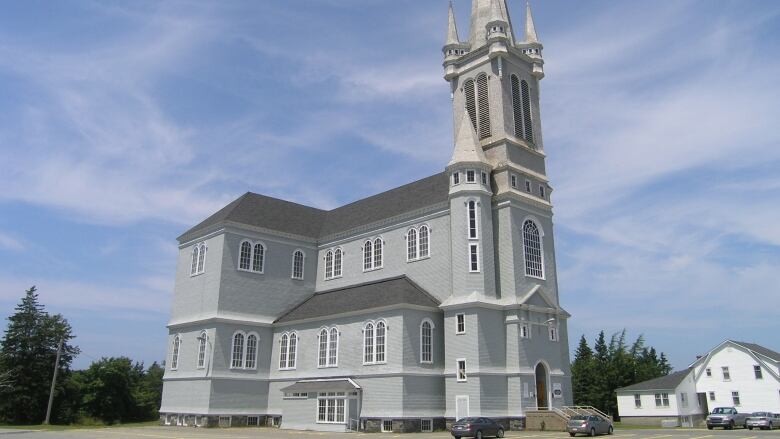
column 337, row 257
column 380, row 342
column 283, row 347
column 529, row 130
column 258, row 258
column 323, row 353
column 368, row 343
column 238, row 351
column 517, row 107
column 411, row 245
column 426, row 342
column 201, row 258
column 532, row 244
column 367, row 255
column 483, row 101
column 472, row 218
column 293, row 354
column 424, row 242
column 251, row 351
column 329, row 265
column 333, row 347
column 245, row 256
column 175, row 356
column 202, row 339
column 378, row 253
column 471, row 102
column 297, row 266
column 194, row 267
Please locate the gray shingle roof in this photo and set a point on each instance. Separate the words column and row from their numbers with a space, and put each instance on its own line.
column 377, row 294
column 283, row 216
column 760, row 350
column 668, row 382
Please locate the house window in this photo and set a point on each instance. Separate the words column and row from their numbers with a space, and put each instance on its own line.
column 251, row 352
column 735, row 398
column 462, row 370
column 541, row 191
column 473, row 258
column 471, row 176
column 198, row 259
column 726, row 373
column 455, row 178
column 662, row 400
column 758, row 373
column 251, row 257
column 367, row 255
column 328, row 347
column 330, row 410
column 424, row 242
column 329, row 265
column 553, row 333
column 533, row 250
column 245, row 257
column 472, row 218
column 524, row 331
column 378, row 253
column 637, row 400
column 202, row 339
column 175, row 356
column 426, row 425
column 712, row 396
column 238, row 351
column 708, row 371
column 387, row 426
column 297, row 265
column 374, row 342
column 284, row 344
column 484, row 179
column 513, row 180
column 288, row 346
column 372, row 254
column 333, row 260
column 411, row 245
column 684, row 399
column 460, row 326
column 426, row 342
column 528, row 186
column 338, row 256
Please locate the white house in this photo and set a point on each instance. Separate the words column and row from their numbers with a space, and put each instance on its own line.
column 733, row 374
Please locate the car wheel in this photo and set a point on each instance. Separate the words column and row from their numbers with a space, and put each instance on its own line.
column 750, row 428
column 770, row 426
column 500, row 432
column 710, row 427
column 479, row 434
column 592, row 431
column 611, row 430
column 731, row 425
column 572, row 434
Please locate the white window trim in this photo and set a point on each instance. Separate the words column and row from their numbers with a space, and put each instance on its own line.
column 195, row 255
column 513, row 181
column 455, row 178
column 477, row 224
column 465, row 370
column 528, row 186
column 373, row 338
column 333, row 398
column 430, row 430
column 327, row 330
column 176, row 352
column 203, row 340
column 457, row 332
column 252, row 245
column 303, row 265
column 474, row 245
column 553, row 333
column 383, row 430
column 373, row 250
column 484, row 179
column 725, row 371
column 244, row 350
column 430, row 322
column 527, row 326
column 325, row 264
column 541, row 246
column 288, row 350
column 637, row 400
column 738, row 396
column 473, row 173
column 406, row 239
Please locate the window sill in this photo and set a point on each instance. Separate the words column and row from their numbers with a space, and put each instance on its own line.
column 250, row 271
column 535, row 277
column 366, row 270
column 332, row 278
column 328, row 367
column 409, row 261
column 296, row 278
column 282, row 369
column 460, row 333
column 197, row 274
column 426, row 362
column 375, row 363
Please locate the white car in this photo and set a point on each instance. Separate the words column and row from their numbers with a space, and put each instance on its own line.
column 763, row 420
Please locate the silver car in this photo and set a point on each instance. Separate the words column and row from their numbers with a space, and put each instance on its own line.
column 589, row 424
column 763, row 420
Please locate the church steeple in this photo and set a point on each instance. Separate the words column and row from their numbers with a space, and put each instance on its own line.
column 530, row 29
column 484, row 12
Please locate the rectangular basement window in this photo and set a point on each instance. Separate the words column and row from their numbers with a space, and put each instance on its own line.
column 426, row 425
column 387, row 426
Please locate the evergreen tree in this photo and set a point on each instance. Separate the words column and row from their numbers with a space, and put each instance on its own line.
column 582, row 372
column 110, row 387
column 27, row 353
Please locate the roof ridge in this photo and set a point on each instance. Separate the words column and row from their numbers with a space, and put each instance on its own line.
column 283, row 201
column 362, row 284
column 386, row 191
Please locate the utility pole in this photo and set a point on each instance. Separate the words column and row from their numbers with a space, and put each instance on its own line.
column 53, row 383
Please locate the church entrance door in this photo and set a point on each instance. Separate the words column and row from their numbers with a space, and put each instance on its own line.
column 541, row 387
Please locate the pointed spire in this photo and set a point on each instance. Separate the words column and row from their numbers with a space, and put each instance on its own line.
column 467, row 148
column 452, row 29
column 481, row 15
column 530, row 29
column 495, row 12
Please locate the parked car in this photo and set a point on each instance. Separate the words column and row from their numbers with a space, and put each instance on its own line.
column 589, row 424
column 477, row 427
column 726, row 417
column 763, row 420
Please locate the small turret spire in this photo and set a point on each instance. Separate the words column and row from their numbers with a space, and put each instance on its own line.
column 467, row 148
column 495, row 11
column 452, row 29
column 530, row 29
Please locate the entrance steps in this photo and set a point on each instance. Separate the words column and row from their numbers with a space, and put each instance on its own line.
column 556, row 418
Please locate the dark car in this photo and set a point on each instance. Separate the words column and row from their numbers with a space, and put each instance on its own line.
column 589, row 424
column 477, row 427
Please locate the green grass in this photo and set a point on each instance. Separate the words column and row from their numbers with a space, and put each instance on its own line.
column 78, row 426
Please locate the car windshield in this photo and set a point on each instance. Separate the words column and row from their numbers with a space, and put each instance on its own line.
column 723, row 411
column 579, row 418
column 466, row 420
column 760, row 414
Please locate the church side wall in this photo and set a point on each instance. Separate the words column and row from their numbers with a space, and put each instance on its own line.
column 197, row 296
column 186, row 396
column 523, row 283
column 239, row 396
column 412, row 320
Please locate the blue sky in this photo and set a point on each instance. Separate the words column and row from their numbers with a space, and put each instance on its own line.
column 123, row 123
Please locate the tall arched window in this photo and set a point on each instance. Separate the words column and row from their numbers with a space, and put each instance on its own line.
column 424, row 242
column 194, row 266
column 472, row 218
column 297, row 265
column 529, row 130
column 471, row 101
column 411, row 245
column 201, row 258
column 532, row 244
column 323, row 352
column 379, row 344
column 483, row 101
column 328, row 264
column 517, row 107
column 426, row 342
column 283, row 347
column 251, row 351
column 238, row 350
column 378, row 253
column 175, row 353
column 367, row 255
column 368, row 343
column 333, row 347
column 202, row 339
column 258, row 258
column 337, row 258
column 245, row 256
column 293, row 353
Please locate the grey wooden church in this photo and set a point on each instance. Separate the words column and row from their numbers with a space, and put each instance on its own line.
column 402, row 311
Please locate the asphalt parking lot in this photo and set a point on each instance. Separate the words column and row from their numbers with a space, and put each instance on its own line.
column 268, row 433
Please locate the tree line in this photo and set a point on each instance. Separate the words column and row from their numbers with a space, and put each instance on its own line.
column 111, row 390
column 597, row 372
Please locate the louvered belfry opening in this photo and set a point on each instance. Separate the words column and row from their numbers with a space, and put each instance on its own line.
column 484, row 106
column 529, row 129
column 517, row 107
column 471, row 102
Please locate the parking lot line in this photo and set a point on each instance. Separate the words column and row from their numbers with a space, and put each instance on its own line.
column 702, row 437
